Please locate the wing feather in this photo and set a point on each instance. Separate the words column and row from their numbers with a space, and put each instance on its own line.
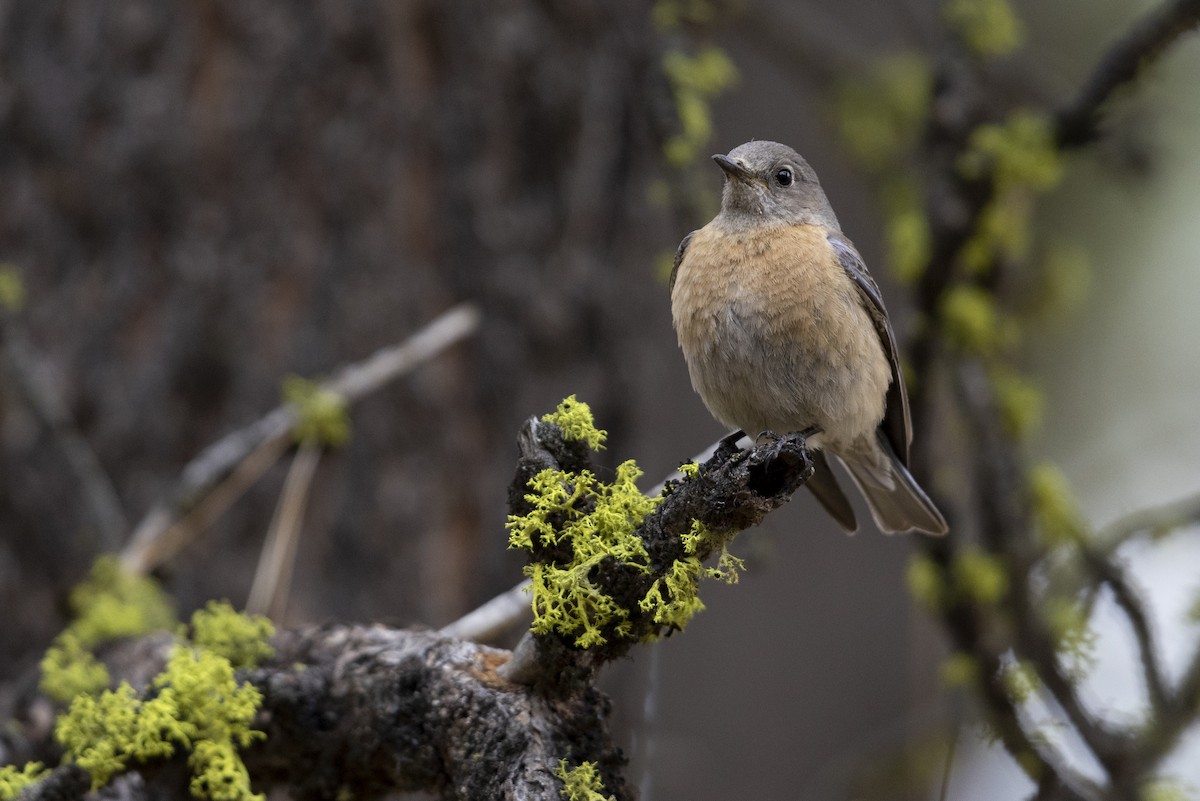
column 897, row 421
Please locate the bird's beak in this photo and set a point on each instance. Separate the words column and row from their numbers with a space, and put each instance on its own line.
column 732, row 168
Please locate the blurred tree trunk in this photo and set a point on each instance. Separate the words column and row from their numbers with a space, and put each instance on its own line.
column 204, row 197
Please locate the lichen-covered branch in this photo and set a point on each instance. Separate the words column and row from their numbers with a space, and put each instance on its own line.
column 611, row 568
column 377, row 710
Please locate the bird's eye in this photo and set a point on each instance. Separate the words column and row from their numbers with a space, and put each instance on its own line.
column 784, row 177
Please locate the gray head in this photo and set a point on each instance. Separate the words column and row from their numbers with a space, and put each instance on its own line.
column 766, row 182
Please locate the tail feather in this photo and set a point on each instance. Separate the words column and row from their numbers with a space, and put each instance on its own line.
column 897, row 502
column 824, row 487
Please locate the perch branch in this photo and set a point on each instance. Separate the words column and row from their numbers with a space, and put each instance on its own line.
column 511, row 608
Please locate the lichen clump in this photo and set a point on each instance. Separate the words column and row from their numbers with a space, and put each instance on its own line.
column 110, row 604
column 578, row 526
column 581, row 783
column 196, row 704
column 594, row 521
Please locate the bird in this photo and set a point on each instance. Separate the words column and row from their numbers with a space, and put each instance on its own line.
column 784, row 330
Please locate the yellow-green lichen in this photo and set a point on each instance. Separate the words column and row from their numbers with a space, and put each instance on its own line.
column 115, row 603
column 12, row 288
column 1055, row 510
column 1019, row 400
column 1020, row 158
column 321, row 414
column 689, row 469
column 1002, row 231
column 13, row 779
column 69, row 669
column 925, row 582
column 980, row 576
column 673, row 599
column 240, row 638
column 1020, row 680
column 960, row 670
column 973, row 322
column 987, row 27
column 1075, row 642
column 909, row 240
column 695, row 80
column 1018, row 153
column 565, row 599
column 111, row 603
column 669, row 15
column 1164, row 789
column 581, row 783
column 198, row 705
column 575, row 419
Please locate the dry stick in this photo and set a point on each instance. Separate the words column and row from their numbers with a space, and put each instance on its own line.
column 162, row 532
column 273, row 577
column 99, row 494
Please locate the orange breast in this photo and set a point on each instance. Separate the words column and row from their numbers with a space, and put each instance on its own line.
column 774, row 333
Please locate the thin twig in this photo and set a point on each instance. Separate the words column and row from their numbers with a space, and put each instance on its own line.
column 1127, row 596
column 493, row 618
column 161, row 534
column 1168, row 516
column 271, row 434
column 273, row 577
column 1080, row 122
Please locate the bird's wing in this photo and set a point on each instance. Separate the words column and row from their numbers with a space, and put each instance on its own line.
column 678, row 258
column 897, row 423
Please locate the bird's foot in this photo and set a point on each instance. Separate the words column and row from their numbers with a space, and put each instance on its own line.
column 784, row 460
column 728, row 445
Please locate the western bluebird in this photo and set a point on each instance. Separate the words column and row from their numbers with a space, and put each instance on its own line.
column 784, row 330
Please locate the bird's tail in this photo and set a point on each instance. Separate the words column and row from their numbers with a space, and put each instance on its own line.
column 897, row 502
